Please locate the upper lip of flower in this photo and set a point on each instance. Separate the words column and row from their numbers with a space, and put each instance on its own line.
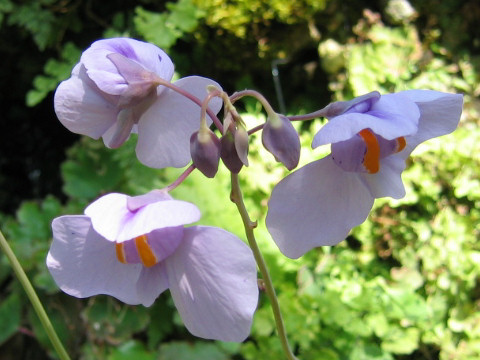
column 392, row 116
column 112, row 219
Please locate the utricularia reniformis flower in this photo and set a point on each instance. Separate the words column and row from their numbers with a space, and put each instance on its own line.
column 116, row 89
column 321, row 202
column 134, row 248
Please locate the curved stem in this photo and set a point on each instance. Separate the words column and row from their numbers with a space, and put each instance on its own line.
column 266, row 105
column 181, row 178
column 237, row 197
column 32, row 295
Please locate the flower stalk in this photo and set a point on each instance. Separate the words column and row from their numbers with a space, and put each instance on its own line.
column 181, row 178
column 237, row 198
column 32, row 295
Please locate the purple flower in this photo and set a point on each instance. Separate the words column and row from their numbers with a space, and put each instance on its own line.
column 134, row 248
column 115, row 90
column 320, row 203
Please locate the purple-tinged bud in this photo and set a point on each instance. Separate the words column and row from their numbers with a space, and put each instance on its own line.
column 281, row 139
column 229, row 154
column 205, row 151
column 241, row 144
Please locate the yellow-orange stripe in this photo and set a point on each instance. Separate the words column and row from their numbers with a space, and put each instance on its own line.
column 401, row 143
column 371, row 160
column 145, row 251
column 120, row 252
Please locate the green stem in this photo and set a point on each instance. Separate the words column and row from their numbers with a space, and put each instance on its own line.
column 32, row 295
column 237, row 198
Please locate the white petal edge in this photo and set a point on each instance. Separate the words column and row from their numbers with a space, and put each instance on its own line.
column 316, row 205
column 213, row 282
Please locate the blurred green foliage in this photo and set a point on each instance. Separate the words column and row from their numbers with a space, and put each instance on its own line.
column 404, row 285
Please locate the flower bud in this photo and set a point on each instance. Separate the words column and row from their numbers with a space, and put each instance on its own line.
column 205, row 151
column 241, row 144
column 229, row 154
column 281, row 139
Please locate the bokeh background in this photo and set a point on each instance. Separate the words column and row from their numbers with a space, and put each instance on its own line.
column 404, row 285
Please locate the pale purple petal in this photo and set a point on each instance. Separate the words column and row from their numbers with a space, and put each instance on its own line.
column 349, row 154
column 164, row 130
column 82, row 108
column 120, row 130
column 392, row 116
column 316, row 205
column 359, row 104
column 112, row 219
column 151, row 283
column 136, row 202
column 165, row 241
column 439, row 115
column 83, row 263
column 388, row 181
column 213, row 281
column 105, row 74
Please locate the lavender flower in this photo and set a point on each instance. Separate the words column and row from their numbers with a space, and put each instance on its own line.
column 320, row 203
column 134, row 248
column 116, row 89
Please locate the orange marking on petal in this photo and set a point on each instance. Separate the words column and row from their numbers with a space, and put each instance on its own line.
column 401, row 143
column 145, row 251
column 120, row 253
column 371, row 160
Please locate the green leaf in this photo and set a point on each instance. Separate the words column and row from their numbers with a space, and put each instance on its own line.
column 183, row 15
column 38, row 21
column 154, row 28
column 161, row 326
column 132, row 349
column 401, row 341
column 10, row 316
column 90, row 171
column 164, row 29
column 369, row 352
column 191, row 351
column 55, row 71
column 109, row 319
